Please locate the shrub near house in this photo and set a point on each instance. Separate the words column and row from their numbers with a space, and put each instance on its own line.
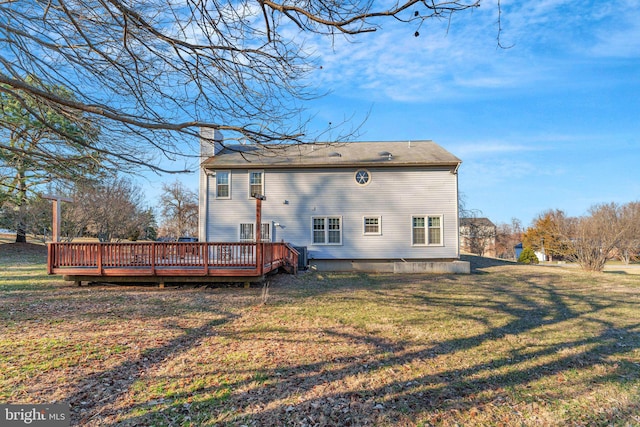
column 528, row 256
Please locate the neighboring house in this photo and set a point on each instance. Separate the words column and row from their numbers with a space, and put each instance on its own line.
column 518, row 250
column 542, row 257
column 478, row 236
column 369, row 206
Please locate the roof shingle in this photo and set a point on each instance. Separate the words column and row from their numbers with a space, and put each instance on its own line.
column 406, row 153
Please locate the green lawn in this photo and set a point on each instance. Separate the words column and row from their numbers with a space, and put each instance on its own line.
column 510, row 345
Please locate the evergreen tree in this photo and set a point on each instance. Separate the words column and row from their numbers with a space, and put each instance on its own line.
column 33, row 153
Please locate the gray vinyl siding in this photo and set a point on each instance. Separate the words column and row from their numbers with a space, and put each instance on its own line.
column 294, row 196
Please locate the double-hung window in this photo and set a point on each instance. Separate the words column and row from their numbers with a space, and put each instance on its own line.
column 372, row 225
column 246, row 232
column 256, row 183
column 327, row 230
column 426, row 230
column 223, row 184
column 434, row 228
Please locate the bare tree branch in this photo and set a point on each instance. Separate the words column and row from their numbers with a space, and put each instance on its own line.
column 153, row 72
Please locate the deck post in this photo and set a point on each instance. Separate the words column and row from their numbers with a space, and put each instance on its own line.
column 50, row 258
column 55, row 223
column 205, row 258
column 259, row 251
column 99, row 260
column 153, row 258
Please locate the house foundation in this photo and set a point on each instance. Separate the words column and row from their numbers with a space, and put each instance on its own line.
column 392, row 266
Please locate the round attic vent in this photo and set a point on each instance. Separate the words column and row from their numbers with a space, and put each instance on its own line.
column 362, row 177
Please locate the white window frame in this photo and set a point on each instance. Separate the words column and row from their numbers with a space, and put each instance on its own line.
column 228, row 174
column 326, row 230
column 264, row 230
column 378, row 218
column 249, row 175
column 427, row 227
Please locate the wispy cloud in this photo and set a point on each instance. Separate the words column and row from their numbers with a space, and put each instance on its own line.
column 619, row 35
column 448, row 59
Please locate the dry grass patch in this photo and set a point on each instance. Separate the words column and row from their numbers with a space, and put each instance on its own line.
column 511, row 345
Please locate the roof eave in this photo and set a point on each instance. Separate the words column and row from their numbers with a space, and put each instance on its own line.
column 255, row 165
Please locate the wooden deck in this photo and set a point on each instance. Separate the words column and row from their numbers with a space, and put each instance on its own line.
column 161, row 262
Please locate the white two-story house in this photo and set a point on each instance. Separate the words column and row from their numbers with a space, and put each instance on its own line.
column 363, row 206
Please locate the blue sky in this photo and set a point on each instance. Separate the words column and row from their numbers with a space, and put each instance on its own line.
column 553, row 122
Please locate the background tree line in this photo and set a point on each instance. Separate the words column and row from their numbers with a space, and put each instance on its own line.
column 111, row 210
column 61, row 155
column 607, row 231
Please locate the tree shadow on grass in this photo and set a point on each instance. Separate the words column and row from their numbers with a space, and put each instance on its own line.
column 340, row 391
column 95, row 394
column 336, row 391
column 479, row 263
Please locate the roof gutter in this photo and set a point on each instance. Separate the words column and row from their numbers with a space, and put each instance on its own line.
column 455, row 171
column 284, row 165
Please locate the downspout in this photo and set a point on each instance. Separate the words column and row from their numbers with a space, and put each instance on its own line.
column 455, row 173
column 205, row 231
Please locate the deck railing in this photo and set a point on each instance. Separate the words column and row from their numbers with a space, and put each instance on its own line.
column 169, row 259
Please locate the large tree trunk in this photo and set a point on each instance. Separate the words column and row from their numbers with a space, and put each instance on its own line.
column 21, row 226
column 21, row 235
